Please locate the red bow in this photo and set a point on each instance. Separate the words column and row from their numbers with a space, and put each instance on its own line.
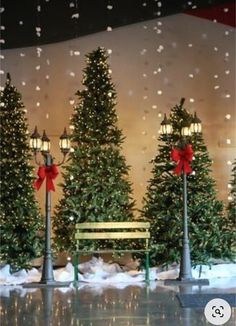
column 183, row 157
column 50, row 172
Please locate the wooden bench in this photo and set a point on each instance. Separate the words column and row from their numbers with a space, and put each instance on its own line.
column 112, row 231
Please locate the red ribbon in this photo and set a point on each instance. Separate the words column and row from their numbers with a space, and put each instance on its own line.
column 48, row 172
column 183, row 157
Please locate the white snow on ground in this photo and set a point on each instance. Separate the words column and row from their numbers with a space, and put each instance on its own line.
column 96, row 271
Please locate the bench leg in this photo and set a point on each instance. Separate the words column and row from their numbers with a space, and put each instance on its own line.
column 76, row 270
column 147, row 268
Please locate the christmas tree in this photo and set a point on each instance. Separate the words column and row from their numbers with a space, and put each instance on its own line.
column 96, row 186
column 231, row 208
column 163, row 203
column 21, row 221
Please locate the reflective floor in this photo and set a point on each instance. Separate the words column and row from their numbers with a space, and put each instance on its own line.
column 100, row 305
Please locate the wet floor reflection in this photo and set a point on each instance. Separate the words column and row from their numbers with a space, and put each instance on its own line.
column 89, row 305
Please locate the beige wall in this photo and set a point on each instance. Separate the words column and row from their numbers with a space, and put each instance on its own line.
column 197, row 56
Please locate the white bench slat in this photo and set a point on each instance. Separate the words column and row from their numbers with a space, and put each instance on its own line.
column 112, row 235
column 113, row 225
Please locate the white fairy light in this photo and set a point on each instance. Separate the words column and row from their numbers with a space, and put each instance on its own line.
column 76, row 16
column 228, row 141
column 143, row 51
column 228, row 116
column 160, row 48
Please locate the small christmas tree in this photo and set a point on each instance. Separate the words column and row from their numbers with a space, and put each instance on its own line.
column 96, row 186
column 21, row 221
column 163, row 204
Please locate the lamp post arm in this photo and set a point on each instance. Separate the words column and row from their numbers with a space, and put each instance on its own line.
column 36, row 159
column 63, row 160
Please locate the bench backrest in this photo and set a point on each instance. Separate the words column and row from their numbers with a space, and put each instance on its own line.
column 114, row 230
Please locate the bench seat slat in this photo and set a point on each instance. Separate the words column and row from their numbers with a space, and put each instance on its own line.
column 112, row 235
column 113, row 225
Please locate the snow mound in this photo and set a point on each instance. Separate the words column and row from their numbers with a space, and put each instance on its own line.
column 96, row 271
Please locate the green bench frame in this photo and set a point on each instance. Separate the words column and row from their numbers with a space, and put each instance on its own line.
column 114, row 231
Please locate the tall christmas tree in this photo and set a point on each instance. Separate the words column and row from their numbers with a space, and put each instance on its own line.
column 96, row 186
column 163, row 203
column 21, row 221
column 231, row 208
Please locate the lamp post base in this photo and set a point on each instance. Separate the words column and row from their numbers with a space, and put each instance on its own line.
column 45, row 284
column 191, row 281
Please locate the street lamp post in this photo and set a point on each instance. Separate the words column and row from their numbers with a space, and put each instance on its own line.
column 48, row 171
column 188, row 127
